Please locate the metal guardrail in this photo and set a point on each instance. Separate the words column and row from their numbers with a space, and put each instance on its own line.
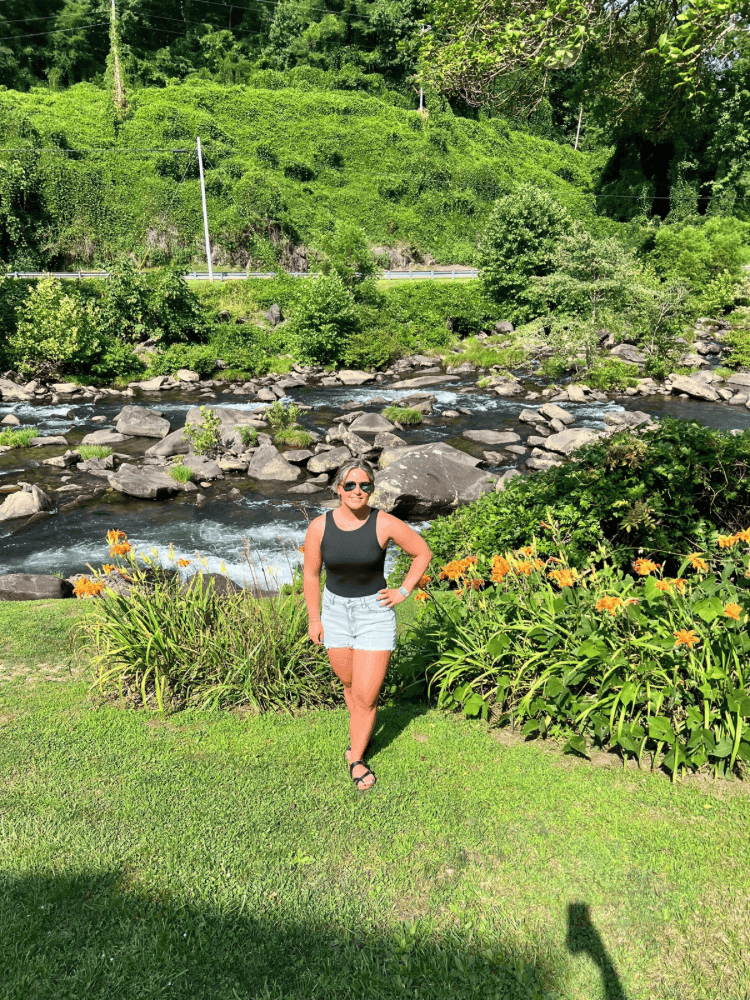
column 239, row 275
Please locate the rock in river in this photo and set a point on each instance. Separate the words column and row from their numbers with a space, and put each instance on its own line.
column 29, row 500
column 492, row 437
column 172, row 444
column 566, row 442
column 328, row 461
column 693, row 387
column 139, row 421
column 105, row 437
column 428, row 480
column 145, row 483
column 268, row 463
column 370, row 423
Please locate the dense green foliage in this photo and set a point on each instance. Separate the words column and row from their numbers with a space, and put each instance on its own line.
column 667, row 492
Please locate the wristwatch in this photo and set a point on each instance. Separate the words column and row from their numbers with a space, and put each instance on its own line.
column 404, row 591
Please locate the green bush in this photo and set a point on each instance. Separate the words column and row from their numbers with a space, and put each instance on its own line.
column 205, row 433
column 87, row 451
column 625, row 659
column 20, row 437
column 518, row 244
column 700, row 252
column 181, row 473
column 248, row 435
column 403, row 415
column 325, row 318
column 610, row 373
column 56, row 334
column 669, row 490
column 199, row 358
column 172, row 645
column 280, row 416
column 293, row 437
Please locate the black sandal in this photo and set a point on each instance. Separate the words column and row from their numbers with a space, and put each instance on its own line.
column 361, row 776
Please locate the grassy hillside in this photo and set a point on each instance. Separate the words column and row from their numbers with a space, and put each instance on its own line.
column 282, row 166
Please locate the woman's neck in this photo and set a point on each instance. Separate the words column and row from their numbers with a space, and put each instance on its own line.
column 347, row 514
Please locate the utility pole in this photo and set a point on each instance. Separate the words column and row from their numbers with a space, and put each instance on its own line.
column 205, row 212
column 578, row 130
column 119, row 90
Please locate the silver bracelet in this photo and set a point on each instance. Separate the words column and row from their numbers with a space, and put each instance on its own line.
column 404, row 591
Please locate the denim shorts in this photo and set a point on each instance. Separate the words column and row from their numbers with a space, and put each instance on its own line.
column 357, row 623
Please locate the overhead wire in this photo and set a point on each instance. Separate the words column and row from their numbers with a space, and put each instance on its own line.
column 53, row 31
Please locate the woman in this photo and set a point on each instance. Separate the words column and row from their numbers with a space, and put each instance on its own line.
column 357, row 623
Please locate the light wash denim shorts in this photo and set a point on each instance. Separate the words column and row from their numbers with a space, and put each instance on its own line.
column 357, row 622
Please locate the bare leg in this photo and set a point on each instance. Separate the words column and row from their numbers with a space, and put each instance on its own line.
column 368, row 674
column 341, row 664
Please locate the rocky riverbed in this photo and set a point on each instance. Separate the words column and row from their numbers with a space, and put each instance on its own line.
column 56, row 508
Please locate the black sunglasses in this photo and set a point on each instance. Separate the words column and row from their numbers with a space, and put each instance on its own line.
column 350, row 485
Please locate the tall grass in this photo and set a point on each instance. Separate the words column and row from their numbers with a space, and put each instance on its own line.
column 20, row 437
column 403, row 415
column 180, row 473
column 294, row 437
column 87, row 451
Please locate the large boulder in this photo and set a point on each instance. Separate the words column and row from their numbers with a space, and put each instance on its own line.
column 268, row 463
column 509, row 388
column 139, row 421
column 428, row 480
column 63, row 461
column 492, row 437
column 416, row 383
column 172, row 444
column 50, row 439
column 355, row 377
column 356, row 445
column 554, row 412
column 386, row 440
column 329, row 461
column 390, row 455
column 105, row 436
column 370, row 423
column 150, row 385
column 33, row 587
column 186, row 375
column 739, row 379
column 505, row 479
column 203, row 468
column 23, row 503
column 627, row 418
column 628, row 353
column 148, row 484
column 567, row 441
column 693, row 387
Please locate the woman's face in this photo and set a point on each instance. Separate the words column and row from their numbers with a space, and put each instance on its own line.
column 355, row 499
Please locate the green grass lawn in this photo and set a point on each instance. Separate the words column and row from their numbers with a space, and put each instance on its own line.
column 211, row 855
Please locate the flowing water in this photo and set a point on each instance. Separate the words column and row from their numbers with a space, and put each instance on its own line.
column 273, row 521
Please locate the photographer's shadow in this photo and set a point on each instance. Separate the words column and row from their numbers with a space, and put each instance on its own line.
column 584, row 938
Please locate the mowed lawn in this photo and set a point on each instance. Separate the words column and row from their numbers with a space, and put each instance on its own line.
column 227, row 856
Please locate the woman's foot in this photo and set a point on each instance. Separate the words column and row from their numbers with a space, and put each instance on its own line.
column 348, row 752
column 362, row 776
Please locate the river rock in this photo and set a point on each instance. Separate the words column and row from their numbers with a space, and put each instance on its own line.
column 494, row 457
column 150, row 385
column 105, row 436
column 356, row 445
column 693, row 361
column 386, row 440
column 355, row 378
column 492, row 437
column 329, row 461
column 370, row 423
column 576, row 394
column 204, row 468
column 10, row 420
column 100, row 467
column 427, row 481
column 307, row 487
column 33, row 587
column 628, row 418
column 29, row 500
column 298, row 455
column 44, row 442
column 450, row 414
column 139, row 421
column 568, row 441
column 11, row 392
column 554, row 412
column 508, row 389
column 739, row 379
column 229, row 416
column 516, row 449
column 693, row 388
column 267, row 463
column 228, row 463
column 541, row 464
column 204, row 580
column 505, row 479
column 739, row 400
column 64, row 388
column 626, row 352
column 391, row 455
column 528, row 416
column 185, row 375
column 63, row 461
column 273, row 314
column 148, row 484
column 266, row 396
column 415, row 383
column 172, row 444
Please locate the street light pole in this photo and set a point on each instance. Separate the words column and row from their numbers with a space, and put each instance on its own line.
column 205, row 212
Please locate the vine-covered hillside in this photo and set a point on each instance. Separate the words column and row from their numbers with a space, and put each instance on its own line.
column 282, row 168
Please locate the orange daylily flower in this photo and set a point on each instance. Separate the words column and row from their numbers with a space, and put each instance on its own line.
column 743, row 536
column 686, row 638
column 108, row 568
column 302, row 549
column 563, row 577
column 87, row 588
column 726, row 541
column 421, row 596
column 645, row 566
column 609, row 603
column 733, row 611
column 527, row 550
column 500, row 568
column 524, row 567
column 424, row 581
column 630, row 600
column 663, row 585
column 679, row 584
column 183, row 562
column 697, row 563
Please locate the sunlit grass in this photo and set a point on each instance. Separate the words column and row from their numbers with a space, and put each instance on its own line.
column 20, row 437
column 87, row 451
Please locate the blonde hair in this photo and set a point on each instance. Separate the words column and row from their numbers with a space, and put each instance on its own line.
column 343, row 470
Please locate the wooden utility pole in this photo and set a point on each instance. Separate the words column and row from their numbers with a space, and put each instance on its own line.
column 119, row 90
column 205, row 211
column 578, row 130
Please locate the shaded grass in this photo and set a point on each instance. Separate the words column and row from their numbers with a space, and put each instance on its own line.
column 195, row 856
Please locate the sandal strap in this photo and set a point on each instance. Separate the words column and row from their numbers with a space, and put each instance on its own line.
column 354, row 764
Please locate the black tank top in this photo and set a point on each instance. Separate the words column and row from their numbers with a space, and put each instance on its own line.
column 354, row 560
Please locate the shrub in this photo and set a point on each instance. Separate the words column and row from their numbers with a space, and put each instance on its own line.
column 280, row 416
column 199, row 358
column 610, row 373
column 117, row 361
column 248, row 435
column 698, row 253
column 403, row 415
column 180, row 473
column 20, row 437
column 626, row 659
column 365, row 352
column 324, row 319
column 165, row 643
column 293, row 437
column 347, row 254
column 87, row 451
column 666, row 491
column 204, row 435
column 56, row 333
column 518, row 244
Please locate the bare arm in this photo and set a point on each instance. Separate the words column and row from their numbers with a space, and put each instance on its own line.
column 413, row 545
column 311, row 578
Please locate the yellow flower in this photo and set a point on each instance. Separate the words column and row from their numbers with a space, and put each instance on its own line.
column 686, row 638
column 609, row 603
column 420, row 596
column 726, row 541
column 743, row 536
column 697, row 563
column 663, row 585
column 733, row 611
column 645, row 566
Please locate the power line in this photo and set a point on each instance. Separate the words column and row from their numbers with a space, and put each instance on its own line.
column 55, row 31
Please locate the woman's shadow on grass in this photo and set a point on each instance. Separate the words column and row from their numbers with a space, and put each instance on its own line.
column 93, row 935
column 584, row 939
